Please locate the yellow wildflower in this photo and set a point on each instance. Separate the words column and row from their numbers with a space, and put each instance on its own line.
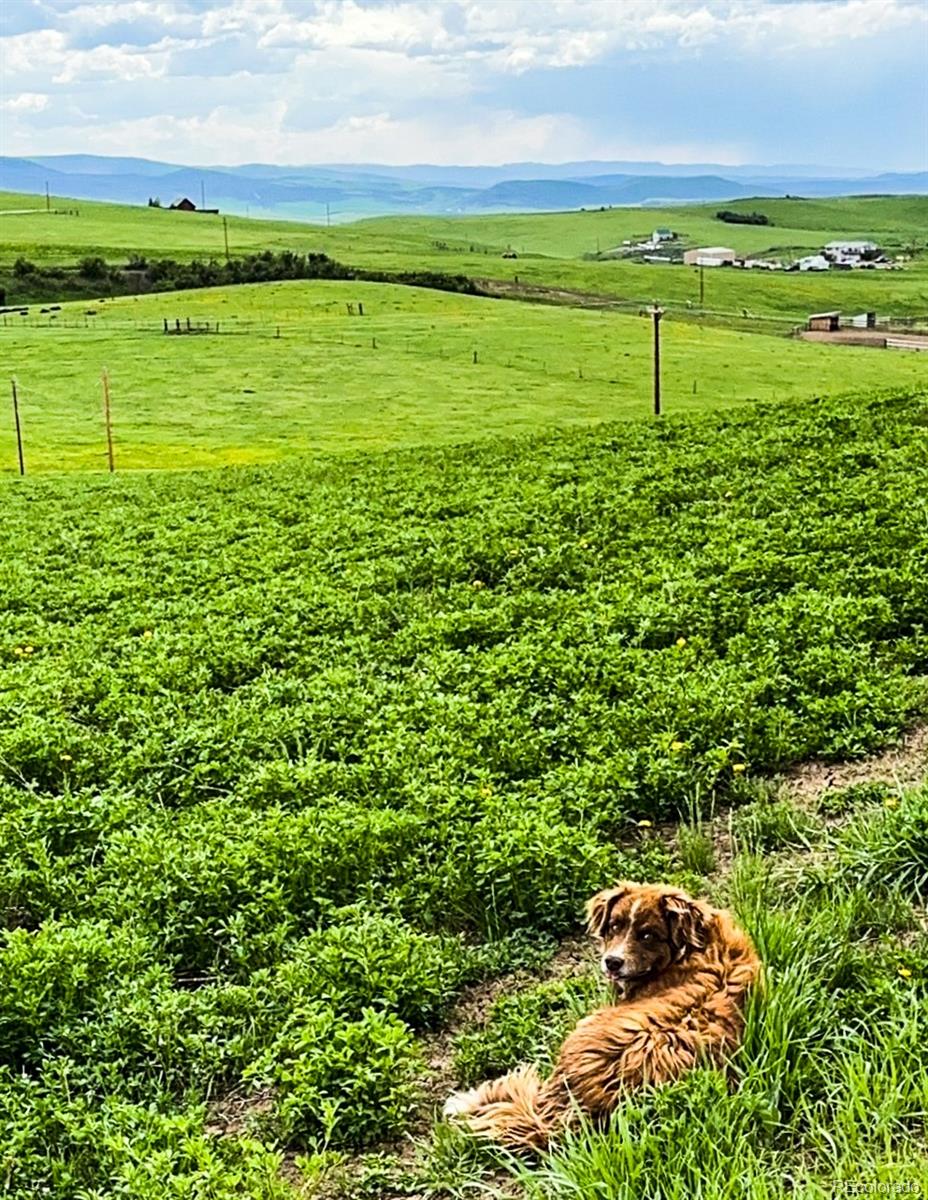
column 66, row 758
column 739, row 768
column 678, row 745
column 681, row 642
column 905, row 972
column 644, row 824
column 891, row 802
column 147, row 633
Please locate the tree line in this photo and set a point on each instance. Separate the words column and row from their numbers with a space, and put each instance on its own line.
column 94, row 276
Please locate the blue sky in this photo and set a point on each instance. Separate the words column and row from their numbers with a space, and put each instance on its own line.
column 832, row 82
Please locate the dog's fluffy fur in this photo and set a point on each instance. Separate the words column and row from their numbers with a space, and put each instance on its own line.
column 680, row 971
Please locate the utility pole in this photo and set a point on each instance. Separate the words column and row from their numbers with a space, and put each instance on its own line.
column 702, row 284
column 48, row 199
column 327, row 221
column 225, row 234
column 656, row 313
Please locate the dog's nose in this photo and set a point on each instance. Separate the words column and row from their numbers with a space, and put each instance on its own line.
column 614, row 963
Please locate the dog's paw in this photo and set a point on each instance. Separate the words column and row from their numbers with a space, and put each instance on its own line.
column 459, row 1104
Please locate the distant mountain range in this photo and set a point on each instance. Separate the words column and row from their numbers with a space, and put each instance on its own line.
column 343, row 192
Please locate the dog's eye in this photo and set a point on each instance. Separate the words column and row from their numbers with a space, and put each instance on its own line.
column 646, row 936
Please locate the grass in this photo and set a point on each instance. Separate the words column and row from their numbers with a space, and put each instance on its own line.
column 404, row 375
column 828, row 1093
column 290, row 756
column 551, row 248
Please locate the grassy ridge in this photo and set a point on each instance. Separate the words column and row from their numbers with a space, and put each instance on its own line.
column 108, row 229
column 403, row 375
column 552, row 246
column 418, row 704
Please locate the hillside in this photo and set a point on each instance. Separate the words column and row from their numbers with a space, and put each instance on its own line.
column 555, row 250
column 292, row 757
column 291, row 371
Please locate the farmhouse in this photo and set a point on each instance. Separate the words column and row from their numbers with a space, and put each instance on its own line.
column 850, row 253
column 709, row 256
column 662, row 234
column 184, row 204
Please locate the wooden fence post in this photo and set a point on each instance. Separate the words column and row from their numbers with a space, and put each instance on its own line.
column 108, row 418
column 19, row 432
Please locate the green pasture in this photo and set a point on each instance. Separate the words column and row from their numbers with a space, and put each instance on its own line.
column 293, row 758
column 290, row 371
column 551, row 248
column 798, row 225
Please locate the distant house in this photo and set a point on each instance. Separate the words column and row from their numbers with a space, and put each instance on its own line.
column 709, row 256
column 183, row 204
column 843, row 250
column 662, row 234
column 826, row 322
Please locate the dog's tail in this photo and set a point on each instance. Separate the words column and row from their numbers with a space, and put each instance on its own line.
column 512, row 1110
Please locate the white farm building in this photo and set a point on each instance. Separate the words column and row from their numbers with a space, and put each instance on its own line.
column 843, row 246
column 850, row 252
column 709, row 256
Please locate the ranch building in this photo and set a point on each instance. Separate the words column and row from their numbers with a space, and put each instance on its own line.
column 709, row 256
column 184, row 204
column 827, row 322
column 851, row 252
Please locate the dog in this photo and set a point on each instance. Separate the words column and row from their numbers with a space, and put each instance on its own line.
column 679, row 972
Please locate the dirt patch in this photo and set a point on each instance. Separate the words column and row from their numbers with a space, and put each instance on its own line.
column 574, row 956
column 509, row 289
column 879, row 339
column 903, row 765
column 230, row 1115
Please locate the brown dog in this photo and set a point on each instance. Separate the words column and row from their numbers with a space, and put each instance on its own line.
column 680, row 971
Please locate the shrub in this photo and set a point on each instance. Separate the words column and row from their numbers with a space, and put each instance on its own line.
column 742, row 218
column 345, row 1081
column 93, row 267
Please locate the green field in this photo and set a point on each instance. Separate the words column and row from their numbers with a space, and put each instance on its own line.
column 551, row 247
column 401, row 375
column 308, row 766
column 292, row 755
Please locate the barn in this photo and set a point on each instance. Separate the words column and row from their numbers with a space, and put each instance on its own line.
column 826, row 322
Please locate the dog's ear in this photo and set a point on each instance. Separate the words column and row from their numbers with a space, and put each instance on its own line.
column 687, row 922
column 599, row 907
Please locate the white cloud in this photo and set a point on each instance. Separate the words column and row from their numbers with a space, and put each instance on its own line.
column 26, row 102
column 454, row 80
